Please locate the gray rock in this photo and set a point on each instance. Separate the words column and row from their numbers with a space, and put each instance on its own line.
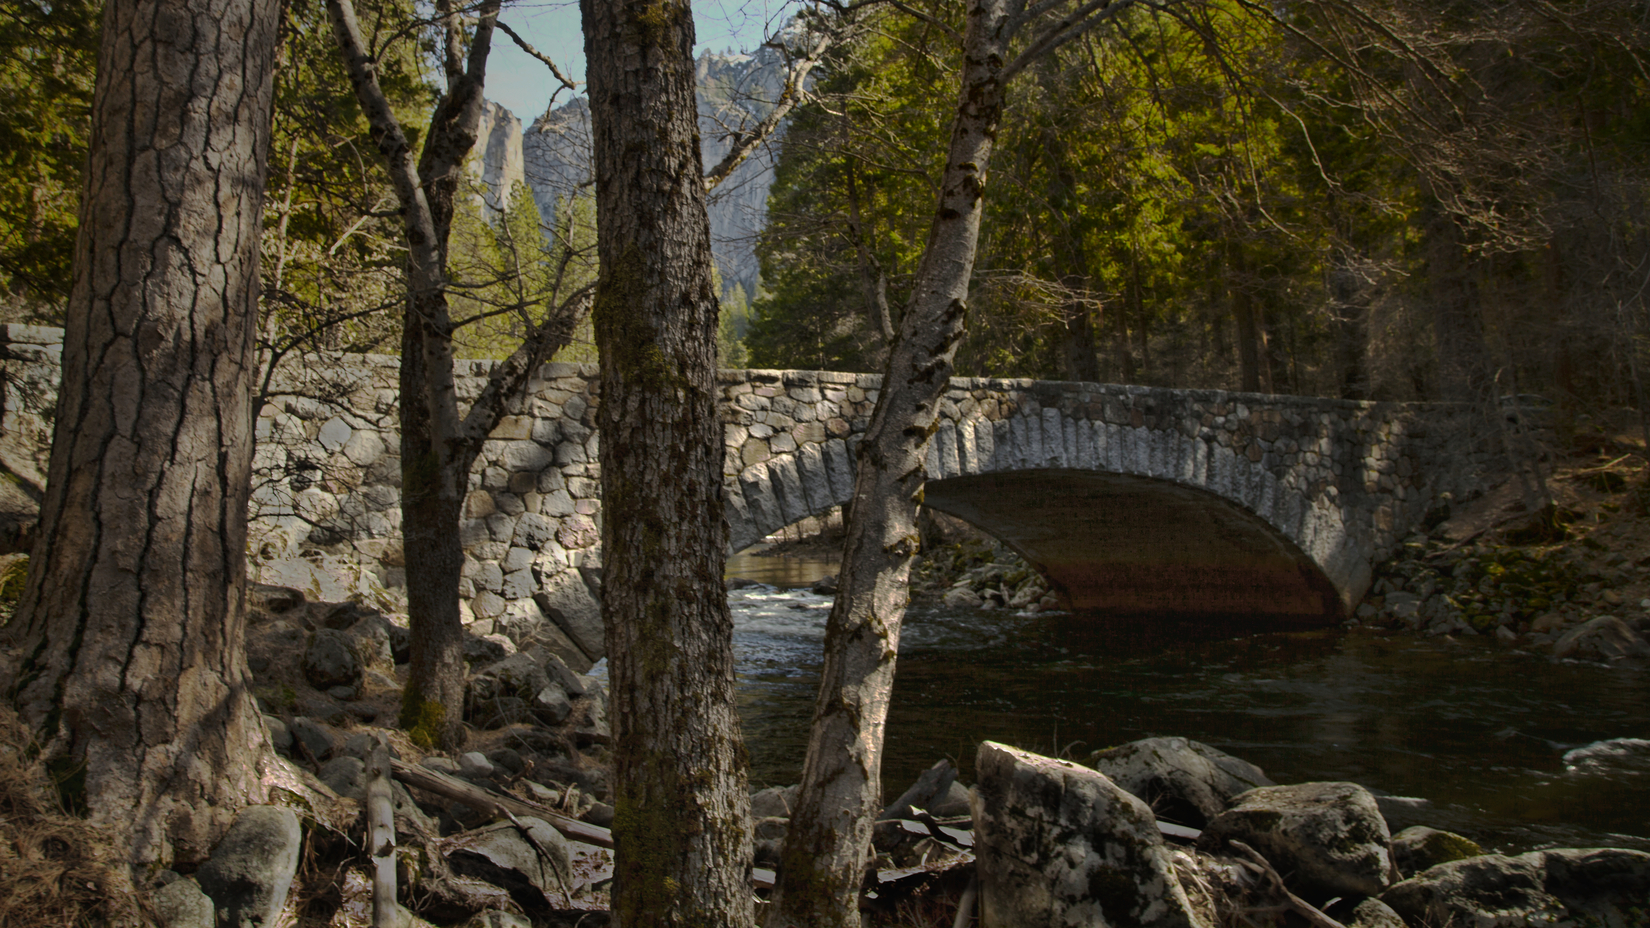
column 1059, row 844
column 330, row 660
column 508, row 758
column 181, row 904
column 773, row 802
column 497, row 713
column 1184, row 781
column 251, row 869
column 279, row 735
column 562, row 675
column 373, row 641
column 1327, row 839
column 346, row 776
column 567, row 601
column 273, row 599
column 321, row 739
column 1605, row 639
column 440, row 765
column 343, row 693
column 1373, row 913
column 345, row 615
column 953, row 804
column 551, row 705
column 475, row 764
column 1419, row 848
column 527, row 869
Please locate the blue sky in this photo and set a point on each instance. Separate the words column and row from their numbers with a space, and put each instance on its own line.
column 552, row 26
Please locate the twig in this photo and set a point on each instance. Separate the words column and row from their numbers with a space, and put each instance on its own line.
column 1301, row 906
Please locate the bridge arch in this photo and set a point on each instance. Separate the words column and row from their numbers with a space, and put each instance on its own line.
column 1115, row 516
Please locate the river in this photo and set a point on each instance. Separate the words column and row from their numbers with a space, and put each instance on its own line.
column 1509, row 749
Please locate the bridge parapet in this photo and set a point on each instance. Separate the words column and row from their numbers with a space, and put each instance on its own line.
column 1337, row 482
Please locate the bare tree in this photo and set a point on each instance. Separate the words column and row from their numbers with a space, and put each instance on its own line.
column 823, row 861
column 125, row 655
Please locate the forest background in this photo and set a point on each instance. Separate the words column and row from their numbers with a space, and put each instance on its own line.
column 1390, row 201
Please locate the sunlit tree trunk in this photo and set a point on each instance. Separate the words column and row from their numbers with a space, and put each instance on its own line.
column 126, row 653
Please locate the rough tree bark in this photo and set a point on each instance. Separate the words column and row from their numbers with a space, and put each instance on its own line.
column 125, row 655
column 681, row 824
column 823, row 862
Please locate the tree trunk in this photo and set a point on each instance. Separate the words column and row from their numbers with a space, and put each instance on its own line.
column 1350, row 298
column 824, row 857
column 1458, row 326
column 126, row 653
column 1254, row 364
column 681, row 829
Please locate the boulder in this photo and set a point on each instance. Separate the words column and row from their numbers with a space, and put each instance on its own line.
column 373, row 642
column 567, row 601
column 319, row 738
column 1327, row 839
column 330, row 660
column 181, row 904
column 528, row 866
column 346, row 776
column 519, row 676
column 1605, row 639
column 1373, row 913
column 773, row 802
column 250, row 871
column 1057, row 843
column 1184, row 781
column 274, row 600
column 474, row 764
column 1420, row 848
column 279, row 735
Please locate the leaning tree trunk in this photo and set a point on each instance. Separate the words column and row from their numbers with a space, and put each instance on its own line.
column 126, row 651
column 824, row 857
column 681, row 825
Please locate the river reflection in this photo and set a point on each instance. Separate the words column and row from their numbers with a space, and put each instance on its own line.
column 1480, row 733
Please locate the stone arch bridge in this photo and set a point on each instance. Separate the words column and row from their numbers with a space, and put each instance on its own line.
column 1130, row 498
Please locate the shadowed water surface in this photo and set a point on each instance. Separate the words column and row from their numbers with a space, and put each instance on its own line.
column 1510, row 749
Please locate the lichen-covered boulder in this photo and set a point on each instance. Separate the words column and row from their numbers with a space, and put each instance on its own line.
column 1419, row 848
column 250, row 871
column 1184, row 781
column 1326, row 839
column 1058, row 844
column 1602, row 886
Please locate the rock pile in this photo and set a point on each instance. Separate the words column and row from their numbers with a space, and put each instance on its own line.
column 1064, row 843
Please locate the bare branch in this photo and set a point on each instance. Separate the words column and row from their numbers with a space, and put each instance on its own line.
column 1086, row 17
column 525, row 46
column 745, row 142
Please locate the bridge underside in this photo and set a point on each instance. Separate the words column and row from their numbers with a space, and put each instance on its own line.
column 1124, row 543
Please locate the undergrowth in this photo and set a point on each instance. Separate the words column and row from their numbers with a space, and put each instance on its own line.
column 55, row 869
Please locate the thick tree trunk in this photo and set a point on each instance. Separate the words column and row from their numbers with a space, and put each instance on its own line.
column 681, row 829
column 823, row 862
column 126, row 651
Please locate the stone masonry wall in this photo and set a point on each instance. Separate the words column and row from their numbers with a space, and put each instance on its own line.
column 1344, row 480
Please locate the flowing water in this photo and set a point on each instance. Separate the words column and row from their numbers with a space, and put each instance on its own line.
column 1512, row 750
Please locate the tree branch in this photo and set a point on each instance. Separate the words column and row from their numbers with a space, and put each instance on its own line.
column 745, row 142
column 1084, row 18
column 529, row 49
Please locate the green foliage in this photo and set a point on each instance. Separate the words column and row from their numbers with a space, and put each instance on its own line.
column 508, row 267
column 332, row 253
column 48, row 59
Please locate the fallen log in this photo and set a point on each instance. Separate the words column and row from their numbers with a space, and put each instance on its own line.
column 490, row 803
